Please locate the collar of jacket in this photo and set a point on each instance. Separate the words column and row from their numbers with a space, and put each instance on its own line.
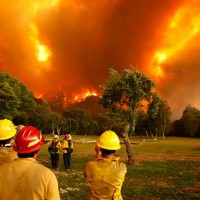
column 110, row 159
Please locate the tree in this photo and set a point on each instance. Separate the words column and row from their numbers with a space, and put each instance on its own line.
column 142, row 124
column 15, row 98
column 124, row 93
column 41, row 117
column 123, row 96
column 164, row 117
column 19, row 104
column 190, row 122
column 104, row 122
column 56, row 121
column 159, row 115
column 78, row 121
column 9, row 102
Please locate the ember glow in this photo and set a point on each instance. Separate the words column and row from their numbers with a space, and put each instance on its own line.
column 71, row 44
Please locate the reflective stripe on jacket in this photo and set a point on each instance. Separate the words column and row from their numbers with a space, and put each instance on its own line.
column 105, row 178
column 27, row 179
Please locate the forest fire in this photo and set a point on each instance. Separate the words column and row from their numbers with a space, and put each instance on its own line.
column 64, row 99
column 53, row 44
column 38, row 96
column 84, row 95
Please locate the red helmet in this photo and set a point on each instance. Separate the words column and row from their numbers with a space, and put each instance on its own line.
column 67, row 135
column 27, row 140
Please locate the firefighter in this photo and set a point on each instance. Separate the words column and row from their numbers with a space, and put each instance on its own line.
column 26, row 178
column 53, row 148
column 105, row 175
column 67, row 147
column 7, row 132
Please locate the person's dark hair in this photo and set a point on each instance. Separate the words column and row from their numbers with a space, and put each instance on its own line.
column 4, row 142
column 27, row 155
column 106, row 152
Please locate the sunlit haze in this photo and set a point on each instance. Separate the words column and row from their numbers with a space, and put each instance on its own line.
column 71, row 44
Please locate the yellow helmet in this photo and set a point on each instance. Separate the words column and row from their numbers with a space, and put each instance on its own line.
column 109, row 140
column 7, row 129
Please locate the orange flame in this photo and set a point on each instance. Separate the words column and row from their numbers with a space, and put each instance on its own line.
column 84, row 95
column 38, row 95
column 42, row 52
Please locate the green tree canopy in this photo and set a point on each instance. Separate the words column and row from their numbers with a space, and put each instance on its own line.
column 189, row 124
column 124, row 94
column 104, row 122
column 41, row 116
column 78, row 121
column 15, row 98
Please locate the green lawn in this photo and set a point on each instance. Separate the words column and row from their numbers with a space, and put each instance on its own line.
column 164, row 169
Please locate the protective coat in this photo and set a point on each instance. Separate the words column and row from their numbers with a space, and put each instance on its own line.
column 105, row 178
column 25, row 178
column 64, row 145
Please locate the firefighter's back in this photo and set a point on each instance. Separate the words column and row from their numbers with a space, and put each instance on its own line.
column 22, row 183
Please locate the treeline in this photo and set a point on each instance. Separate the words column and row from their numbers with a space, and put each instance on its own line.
column 188, row 125
column 18, row 104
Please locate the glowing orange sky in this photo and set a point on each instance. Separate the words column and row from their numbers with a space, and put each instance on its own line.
column 71, row 44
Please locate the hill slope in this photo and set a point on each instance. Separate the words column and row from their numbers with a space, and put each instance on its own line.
column 91, row 104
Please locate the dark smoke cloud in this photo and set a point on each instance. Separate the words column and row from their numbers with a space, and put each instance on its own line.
column 87, row 37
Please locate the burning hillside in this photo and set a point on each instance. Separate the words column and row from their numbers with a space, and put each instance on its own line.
column 69, row 45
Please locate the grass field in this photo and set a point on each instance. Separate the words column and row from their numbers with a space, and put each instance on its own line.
column 164, row 169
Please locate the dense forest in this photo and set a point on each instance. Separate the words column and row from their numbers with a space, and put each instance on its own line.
column 122, row 101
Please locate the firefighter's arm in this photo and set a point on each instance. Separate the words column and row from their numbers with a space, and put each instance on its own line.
column 49, row 143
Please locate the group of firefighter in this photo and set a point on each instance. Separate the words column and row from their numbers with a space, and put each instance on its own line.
column 23, row 177
column 66, row 146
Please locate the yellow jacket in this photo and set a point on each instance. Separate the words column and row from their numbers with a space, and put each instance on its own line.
column 65, row 145
column 7, row 154
column 105, row 178
column 27, row 179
